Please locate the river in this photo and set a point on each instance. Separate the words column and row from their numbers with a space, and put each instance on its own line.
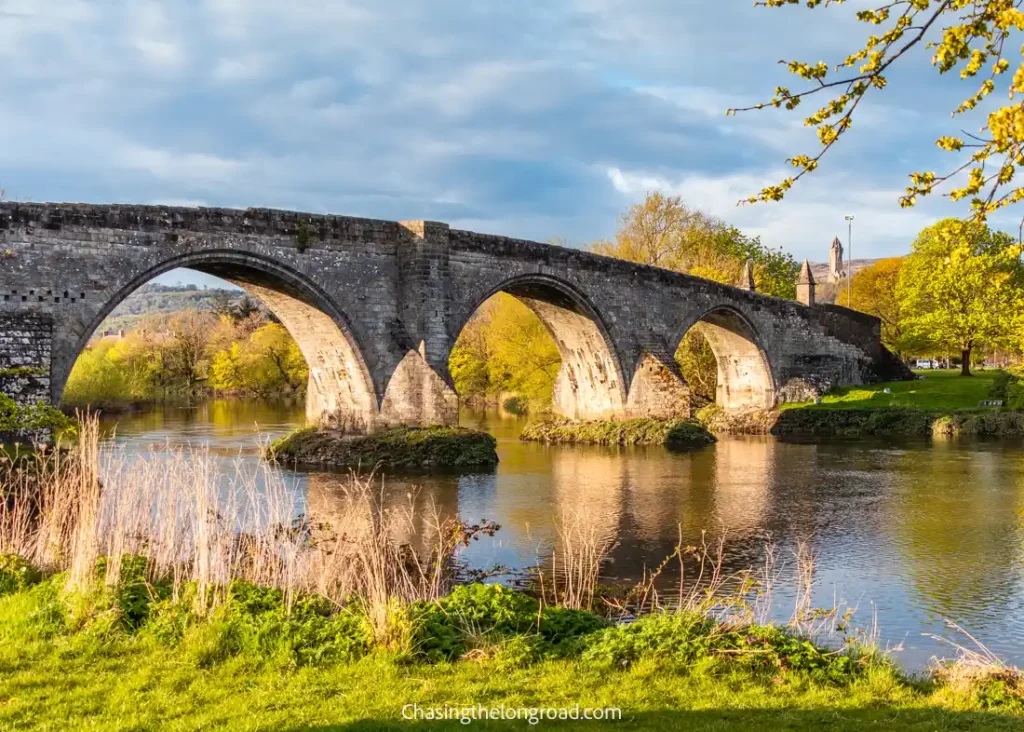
column 907, row 532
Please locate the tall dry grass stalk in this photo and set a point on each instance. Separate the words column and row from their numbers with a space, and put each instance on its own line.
column 577, row 559
column 195, row 522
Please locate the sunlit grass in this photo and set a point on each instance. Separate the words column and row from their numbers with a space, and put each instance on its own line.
column 938, row 389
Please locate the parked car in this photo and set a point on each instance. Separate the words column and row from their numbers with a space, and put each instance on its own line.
column 926, row 363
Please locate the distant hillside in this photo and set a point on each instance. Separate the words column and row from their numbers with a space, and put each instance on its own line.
column 820, row 269
column 153, row 299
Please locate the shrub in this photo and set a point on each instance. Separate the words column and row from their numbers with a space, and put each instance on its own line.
column 16, row 574
column 495, row 621
column 441, row 628
column 516, row 405
column 687, row 637
column 1002, row 385
column 1015, row 396
column 31, row 419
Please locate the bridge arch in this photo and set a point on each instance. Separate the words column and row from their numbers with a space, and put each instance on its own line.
column 340, row 391
column 744, row 374
column 589, row 384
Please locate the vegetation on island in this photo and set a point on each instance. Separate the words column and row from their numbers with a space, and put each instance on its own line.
column 213, row 600
column 190, row 354
column 671, row 433
column 397, row 448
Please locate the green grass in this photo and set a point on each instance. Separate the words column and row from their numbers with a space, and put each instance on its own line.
column 146, row 688
column 939, row 390
column 137, row 687
column 62, row 670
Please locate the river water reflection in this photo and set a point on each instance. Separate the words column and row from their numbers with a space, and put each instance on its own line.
column 912, row 531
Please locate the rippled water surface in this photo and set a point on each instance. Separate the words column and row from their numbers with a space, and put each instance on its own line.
column 910, row 531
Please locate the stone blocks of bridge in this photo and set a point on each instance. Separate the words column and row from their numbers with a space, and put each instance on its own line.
column 376, row 307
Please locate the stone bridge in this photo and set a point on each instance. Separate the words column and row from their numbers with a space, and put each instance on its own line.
column 376, row 307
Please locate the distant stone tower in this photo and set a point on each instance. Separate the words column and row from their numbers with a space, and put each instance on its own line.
column 835, row 262
column 805, row 285
column 747, row 277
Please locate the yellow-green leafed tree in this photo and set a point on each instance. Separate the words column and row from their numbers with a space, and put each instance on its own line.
column 875, row 293
column 974, row 37
column 961, row 286
column 663, row 231
column 281, row 356
column 505, row 348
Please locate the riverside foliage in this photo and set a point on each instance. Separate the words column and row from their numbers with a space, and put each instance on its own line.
column 188, row 354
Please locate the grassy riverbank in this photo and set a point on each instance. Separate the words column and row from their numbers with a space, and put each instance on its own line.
column 402, row 448
column 941, row 404
column 672, row 433
column 89, row 662
column 935, row 390
column 178, row 598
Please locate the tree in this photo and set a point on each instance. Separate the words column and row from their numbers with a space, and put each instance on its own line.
column 875, row 293
column 185, row 350
column 664, row 232
column 974, row 35
column 505, row 348
column 275, row 344
column 961, row 286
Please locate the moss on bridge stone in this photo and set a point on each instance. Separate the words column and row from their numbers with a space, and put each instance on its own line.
column 672, row 433
column 399, row 448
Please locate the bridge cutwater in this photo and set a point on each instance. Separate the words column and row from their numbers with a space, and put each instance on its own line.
column 376, row 307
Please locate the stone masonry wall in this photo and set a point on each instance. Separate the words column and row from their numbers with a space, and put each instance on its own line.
column 376, row 307
column 25, row 357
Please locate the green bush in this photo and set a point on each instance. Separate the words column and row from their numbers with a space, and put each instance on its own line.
column 1015, row 395
column 34, row 418
column 516, row 405
column 686, row 638
column 1002, row 385
column 441, row 628
column 255, row 620
column 16, row 575
column 444, row 630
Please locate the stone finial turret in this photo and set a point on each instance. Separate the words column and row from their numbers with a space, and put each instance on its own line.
column 747, row 277
column 805, row 285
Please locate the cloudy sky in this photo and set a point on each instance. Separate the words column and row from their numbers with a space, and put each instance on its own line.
column 531, row 118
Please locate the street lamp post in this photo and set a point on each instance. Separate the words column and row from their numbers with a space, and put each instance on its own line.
column 849, row 262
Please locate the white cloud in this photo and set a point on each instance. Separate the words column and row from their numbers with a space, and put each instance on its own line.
column 529, row 119
column 195, row 168
column 245, row 68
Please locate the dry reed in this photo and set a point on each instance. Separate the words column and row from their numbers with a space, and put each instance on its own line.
column 194, row 522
